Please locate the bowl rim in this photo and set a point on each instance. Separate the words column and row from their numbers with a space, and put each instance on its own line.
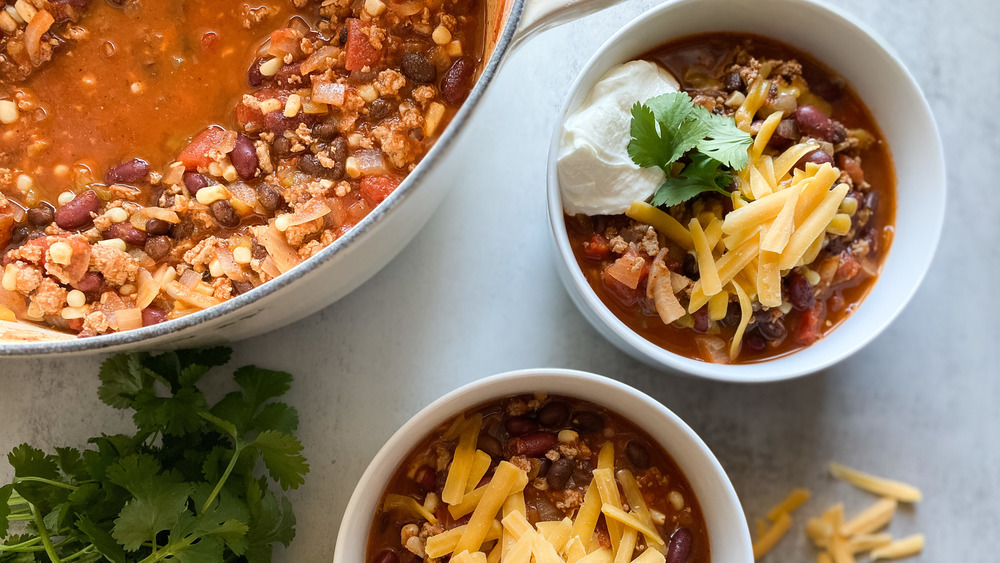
column 779, row 368
column 368, row 223
column 526, row 381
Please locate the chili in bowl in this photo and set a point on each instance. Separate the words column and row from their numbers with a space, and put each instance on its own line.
column 723, row 188
column 543, row 463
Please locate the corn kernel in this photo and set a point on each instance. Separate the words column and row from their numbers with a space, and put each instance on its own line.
column 368, row 93
column 7, row 23
column 10, row 278
column 676, row 500
column 73, row 313
column 14, row 15
column 8, row 112
column 61, row 253
column 34, row 312
column 374, row 7
column 25, row 10
column 281, row 222
column 568, row 436
column 849, row 206
column 117, row 215
column 441, row 35
column 65, row 198
column 454, row 49
column 211, row 194
column 293, row 105
column 242, row 255
column 812, row 276
column 435, row 112
column 114, row 243
column 271, row 67
column 215, row 268
column 230, row 174
column 352, row 168
column 26, row 183
column 270, row 105
column 76, row 298
column 127, row 289
column 840, row 225
column 354, row 140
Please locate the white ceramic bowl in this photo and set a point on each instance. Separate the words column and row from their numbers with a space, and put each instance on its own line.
column 729, row 537
column 875, row 72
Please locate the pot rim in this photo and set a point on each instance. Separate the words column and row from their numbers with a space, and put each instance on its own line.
column 383, row 210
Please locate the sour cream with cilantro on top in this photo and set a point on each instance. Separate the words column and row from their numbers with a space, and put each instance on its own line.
column 596, row 174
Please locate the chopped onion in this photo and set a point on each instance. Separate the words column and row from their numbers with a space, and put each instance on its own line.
column 129, row 319
column 244, row 193
column 149, row 288
column 713, row 349
column 322, row 59
column 285, row 257
column 370, row 162
column 408, row 8
column 186, row 295
column 328, row 93
column 33, row 33
column 229, row 265
column 314, row 209
column 190, row 278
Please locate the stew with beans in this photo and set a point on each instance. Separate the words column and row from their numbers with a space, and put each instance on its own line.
column 816, row 106
column 159, row 158
column 574, row 458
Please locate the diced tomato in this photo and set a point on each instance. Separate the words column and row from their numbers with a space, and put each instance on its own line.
column 197, row 153
column 250, row 119
column 629, row 269
column 284, row 41
column 809, row 329
column 849, row 267
column 360, row 51
column 853, row 169
column 597, row 248
column 209, row 41
column 376, row 188
column 6, row 229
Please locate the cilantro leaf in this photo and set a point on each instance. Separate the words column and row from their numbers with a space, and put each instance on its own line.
column 160, row 499
column 724, row 141
column 703, row 174
column 5, row 492
column 71, row 464
column 122, row 377
column 283, row 457
column 663, row 130
column 277, row 416
column 102, row 540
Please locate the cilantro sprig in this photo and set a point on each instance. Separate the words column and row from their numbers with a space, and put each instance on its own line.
column 193, row 484
column 671, row 128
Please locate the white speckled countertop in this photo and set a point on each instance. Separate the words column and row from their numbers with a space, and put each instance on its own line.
column 476, row 293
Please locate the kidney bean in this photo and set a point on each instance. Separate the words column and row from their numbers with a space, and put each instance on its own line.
column 76, row 213
column 19, row 234
column 127, row 172
column 554, row 414
column 871, row 201
column 254, row 76
column 182, row 230
column 457, row 80
column 535, row 444
column 637, row 454
column 269, row 196
column 817, row 157
column 157, row 227
column 544, row 464
column 244, row 158
column 559, row 474
column 289, row 75
column 732, row 81
column 380, row 109
column 426, row 477
column 153, row 315
column 194, row 181
column 490, row 445
column 417, row 68
column 679, row 547
column 800, row 292
column 126, row 232
column 520, row 425
column 224, row 213
column 587, row 421
column 158, row 247
column 41, row 216
column 91, row 281
column 387, row 556
column 814, row 123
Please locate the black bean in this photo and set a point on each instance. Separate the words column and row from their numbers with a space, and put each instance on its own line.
column 559, row 474
column 380, row 109
column 127, row 232
column 838, row 133
column 679, row 547
column 244, row 158
column 282, row 146
column 41, row 216
column 338, row 149
column 224, row 213
column 127, row 172
column 388, row 555
column 733, row 314
column 157, row 227
column 770, row 324
column 311, row 165
column 269, row 196
column 587, row 421
column 544, row 464
column 701, row 320
column 755, row 342
column 490, row 445
column 801, row 294
column 417, row 68
column 520, row 425
column 158, row 247
column 637, row 454
column 153, row 315
column 325, row 130
column 76, row 213
column 871, row 201
column 194, row 181
column 19, row 234
column 554, row 414
column 254, row 76
column 732, row 81
column 457, row 80
column 342, row 36
column 690, row 266
column 547, row 511
column 182, row 230
column 257, row 250
column 241, row 287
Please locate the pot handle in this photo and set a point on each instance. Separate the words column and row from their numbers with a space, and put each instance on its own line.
column 540, row 15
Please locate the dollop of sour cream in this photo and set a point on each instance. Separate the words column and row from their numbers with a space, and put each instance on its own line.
column 596, row 174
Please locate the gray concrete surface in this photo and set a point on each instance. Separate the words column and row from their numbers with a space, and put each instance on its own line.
column 476, row 293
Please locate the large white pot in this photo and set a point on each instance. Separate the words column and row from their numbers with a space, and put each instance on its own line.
column 354, row 258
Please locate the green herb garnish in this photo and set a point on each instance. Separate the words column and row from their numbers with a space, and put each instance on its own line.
column 670, row 127
column 191, row 486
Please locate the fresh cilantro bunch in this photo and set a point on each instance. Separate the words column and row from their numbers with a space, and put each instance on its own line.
column 670, row 129
column 192, row 485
